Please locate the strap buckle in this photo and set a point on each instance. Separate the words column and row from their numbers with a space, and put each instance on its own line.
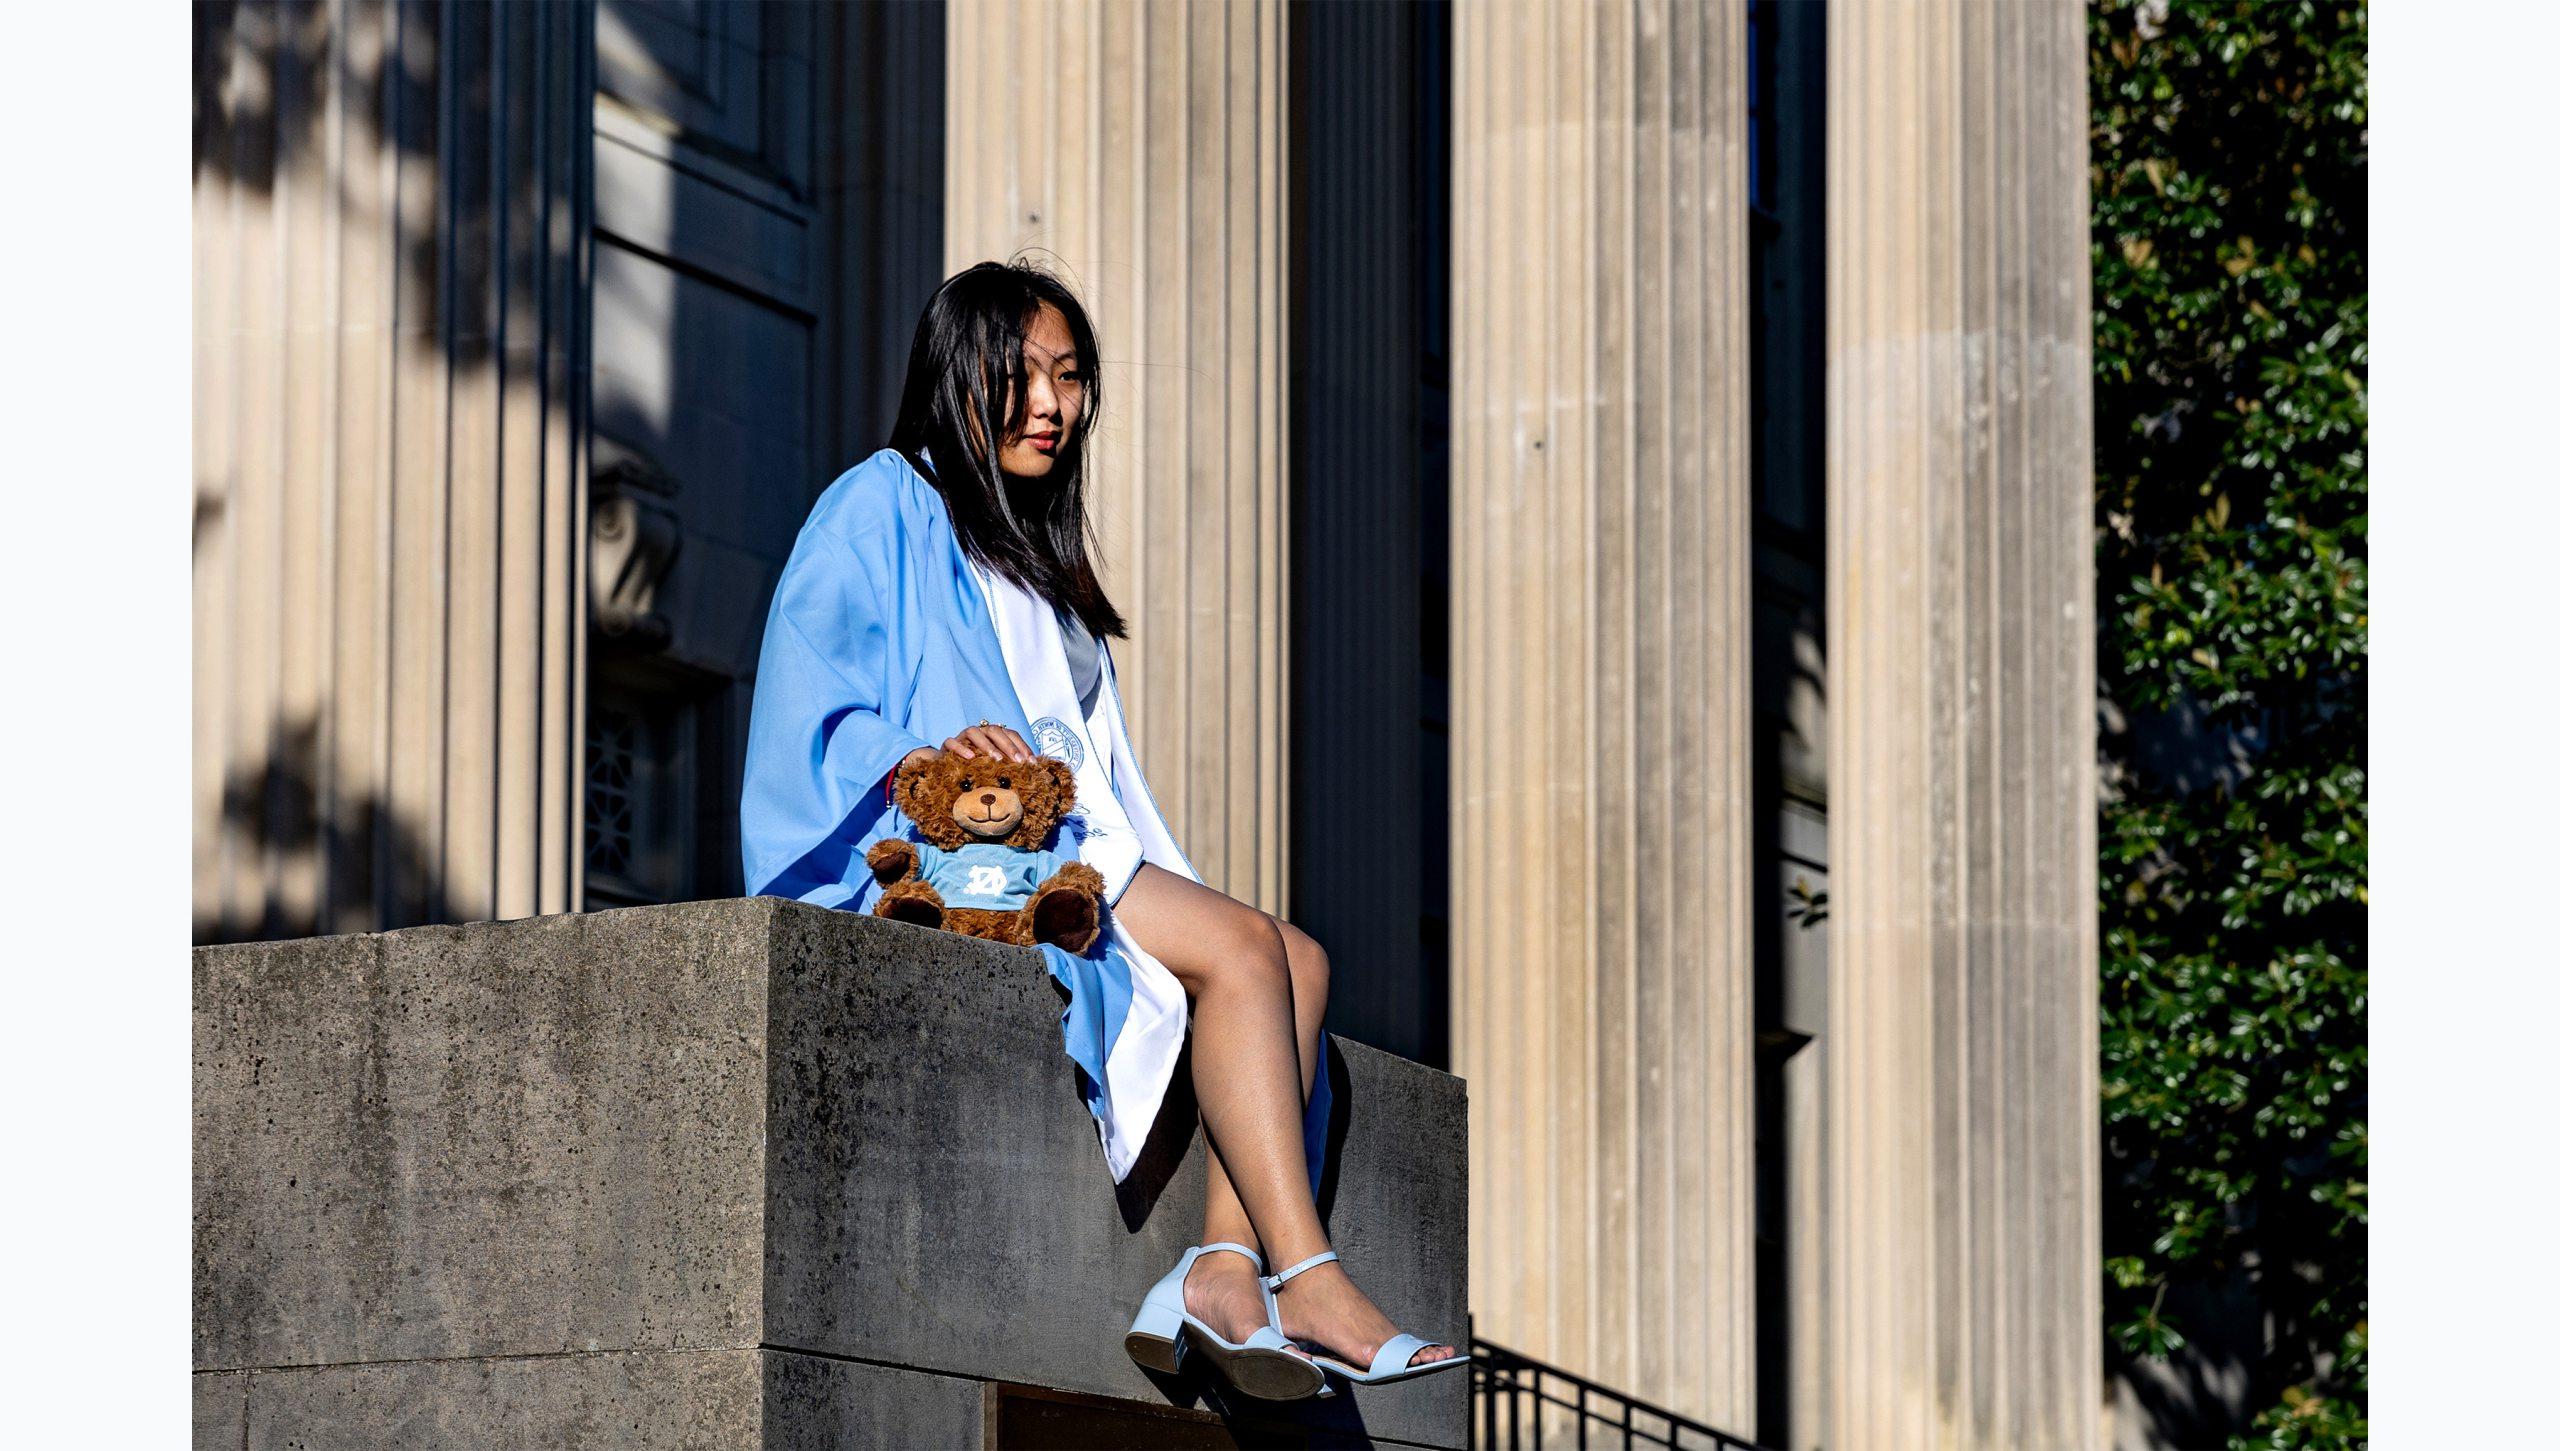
column 1302, row 1266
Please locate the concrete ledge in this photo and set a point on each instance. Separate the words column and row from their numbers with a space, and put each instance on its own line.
column 642, row 1400
column 675, row 1400
column 570, row 1151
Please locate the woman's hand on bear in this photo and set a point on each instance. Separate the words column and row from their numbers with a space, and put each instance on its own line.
column 989, row 740
column 992, row 740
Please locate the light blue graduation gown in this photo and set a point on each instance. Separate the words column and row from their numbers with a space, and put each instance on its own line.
column 879, row 641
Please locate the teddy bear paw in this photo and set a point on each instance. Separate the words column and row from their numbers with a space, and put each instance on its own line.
column 1069, row 918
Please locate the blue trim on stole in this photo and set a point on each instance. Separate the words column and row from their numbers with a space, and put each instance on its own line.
column 1097, row 1004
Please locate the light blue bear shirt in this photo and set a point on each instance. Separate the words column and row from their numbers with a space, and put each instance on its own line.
column 986, row 874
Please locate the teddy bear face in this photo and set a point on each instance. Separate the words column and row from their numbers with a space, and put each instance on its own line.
column 956, row 799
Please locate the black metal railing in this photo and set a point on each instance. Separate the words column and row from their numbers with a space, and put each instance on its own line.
column 1519, row 1404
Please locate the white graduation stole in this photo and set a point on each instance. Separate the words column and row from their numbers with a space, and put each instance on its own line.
column 1035, row 655
column 1138, row 1067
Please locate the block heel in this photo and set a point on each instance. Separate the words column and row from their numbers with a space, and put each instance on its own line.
column 1154, row 1340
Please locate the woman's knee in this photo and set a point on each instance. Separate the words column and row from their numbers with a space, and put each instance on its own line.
column 1244, row 946
column 1205, row 937
column 1310, row 971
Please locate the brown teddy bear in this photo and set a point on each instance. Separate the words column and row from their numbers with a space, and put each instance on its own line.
column 984, row 867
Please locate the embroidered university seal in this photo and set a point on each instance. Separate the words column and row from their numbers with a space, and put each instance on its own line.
column 1050, row 737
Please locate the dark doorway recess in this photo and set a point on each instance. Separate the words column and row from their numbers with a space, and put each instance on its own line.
column 1369, row 513
column 1790, row 798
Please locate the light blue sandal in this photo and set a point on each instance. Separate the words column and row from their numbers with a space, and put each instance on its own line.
column 1394, row 1360
column 1265, row 1365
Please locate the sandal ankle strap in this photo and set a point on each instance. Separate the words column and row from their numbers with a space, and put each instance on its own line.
column 1301, row 1267
column 1239, row 1249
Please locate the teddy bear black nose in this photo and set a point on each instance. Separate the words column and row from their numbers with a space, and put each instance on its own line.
column 988, row 797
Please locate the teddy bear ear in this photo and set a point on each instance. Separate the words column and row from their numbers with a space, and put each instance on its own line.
column 927, row 792
column 914, row 788
column 1062, row 773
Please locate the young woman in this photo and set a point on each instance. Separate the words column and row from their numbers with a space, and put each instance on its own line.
column 943, row 592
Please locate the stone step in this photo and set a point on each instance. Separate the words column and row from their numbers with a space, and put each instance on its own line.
column 729, row 1174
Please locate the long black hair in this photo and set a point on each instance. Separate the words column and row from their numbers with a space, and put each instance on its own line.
column 966, row 364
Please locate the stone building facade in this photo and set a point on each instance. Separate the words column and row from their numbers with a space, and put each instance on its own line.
column 1632, row 456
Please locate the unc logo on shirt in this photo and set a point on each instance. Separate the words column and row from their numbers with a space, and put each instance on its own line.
column 986, row 882
column 1051, row 737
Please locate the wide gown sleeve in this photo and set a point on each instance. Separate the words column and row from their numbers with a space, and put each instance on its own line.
column 819, row 746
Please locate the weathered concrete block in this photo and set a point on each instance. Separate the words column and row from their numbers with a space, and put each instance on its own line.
column 630, row 1400
column 662, row 1400
column 967, row 1195
column 814, row 1404
column 505, row 1139
column 735, row 1126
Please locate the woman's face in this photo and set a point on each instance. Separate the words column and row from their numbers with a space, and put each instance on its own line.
column 1055, row 404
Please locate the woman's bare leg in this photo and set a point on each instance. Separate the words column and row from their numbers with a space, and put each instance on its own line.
column 1310, row 979
column 1246, row 1070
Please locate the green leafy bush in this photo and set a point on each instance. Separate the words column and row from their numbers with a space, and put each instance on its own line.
column 2228, row 220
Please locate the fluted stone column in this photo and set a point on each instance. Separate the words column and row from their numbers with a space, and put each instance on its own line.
column 1962, row 1295
column 391, row 209
column 1140, row 150
column 1601, row 969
